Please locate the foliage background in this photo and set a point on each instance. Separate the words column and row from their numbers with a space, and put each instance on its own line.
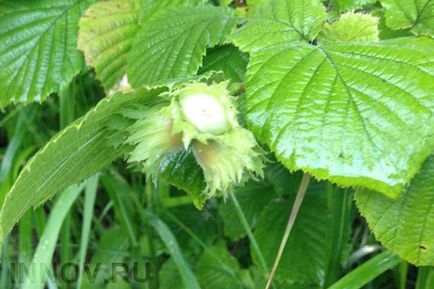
column 116, row 216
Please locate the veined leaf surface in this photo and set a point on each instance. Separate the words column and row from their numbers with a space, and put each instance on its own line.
column 349, row 112
column 415, row 14
column 151, row 7
column 38, row 47
column 107, row 31
column 172, row 43
column 351, row 27
column 405, row 226
column 281, row 22
column 77, row 152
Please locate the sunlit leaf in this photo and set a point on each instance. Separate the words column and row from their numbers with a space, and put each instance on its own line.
column 348, row 112
column 107, row 30
column 281, row 22
column 418, row 15
column 405, row 226
column 351, row 27
column 346, row 5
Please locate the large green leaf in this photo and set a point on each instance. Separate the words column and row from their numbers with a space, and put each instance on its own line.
column 367, row 272
column 47, row 244
column 415, row 14
column 405, row 226
column 347, row 112
column 172, row 43
column 281, row 21
column 107, row 31
column 38, row 47
column 72, row 155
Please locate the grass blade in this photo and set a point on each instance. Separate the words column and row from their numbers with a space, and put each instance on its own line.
column 89, row 205
column 117, row 189
column 5, row 266
column 45, row 250
column 368, row 271
column 425, row 278
column 341, row 206
column 169, row 240
column 249, row 233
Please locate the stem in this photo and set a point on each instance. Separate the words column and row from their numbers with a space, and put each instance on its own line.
column 294, row 212
column 150, row 193
column 249, row 233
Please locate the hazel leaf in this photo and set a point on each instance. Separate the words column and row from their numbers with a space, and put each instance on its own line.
column 351, row 27
column 418, row 15
column 172, row 43
column 404, row 226
column 346, row 112
column 38, row 48
column 107, row 31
